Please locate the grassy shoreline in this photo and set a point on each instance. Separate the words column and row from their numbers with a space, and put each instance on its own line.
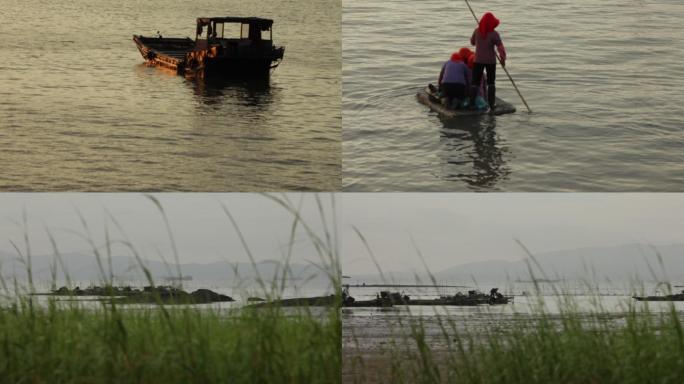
column 45, row 340
column 180, row 345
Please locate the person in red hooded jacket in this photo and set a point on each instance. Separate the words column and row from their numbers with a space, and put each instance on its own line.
column 485, row 39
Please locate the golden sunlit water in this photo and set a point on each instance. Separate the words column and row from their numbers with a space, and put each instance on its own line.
column 80, row 111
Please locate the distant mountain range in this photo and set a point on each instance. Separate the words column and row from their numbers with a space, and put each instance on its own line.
column 84, row 268
column 617, row 263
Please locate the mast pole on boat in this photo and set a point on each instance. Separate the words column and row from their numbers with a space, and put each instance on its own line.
column 499, row 60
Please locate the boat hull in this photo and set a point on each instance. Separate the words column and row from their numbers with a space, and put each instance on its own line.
column 182, row 56
column 678, row 297
column 464, row 302
column 375, row 303
column 233, row 67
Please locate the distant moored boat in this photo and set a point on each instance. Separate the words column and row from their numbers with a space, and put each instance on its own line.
column 674, row 297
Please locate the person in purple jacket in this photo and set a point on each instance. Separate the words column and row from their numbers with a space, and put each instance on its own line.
column 454, row 80
column 485, row 38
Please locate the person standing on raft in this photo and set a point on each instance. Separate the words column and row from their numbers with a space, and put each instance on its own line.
column 485, row 38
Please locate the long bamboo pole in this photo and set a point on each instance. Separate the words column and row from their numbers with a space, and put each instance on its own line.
column 502, row 66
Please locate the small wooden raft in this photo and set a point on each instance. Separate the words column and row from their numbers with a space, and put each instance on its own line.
column 427, row 96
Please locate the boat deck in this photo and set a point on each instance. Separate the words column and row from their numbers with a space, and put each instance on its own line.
column 167, row 52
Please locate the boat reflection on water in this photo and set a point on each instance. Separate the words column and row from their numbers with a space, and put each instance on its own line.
column 471, row 152
column 247, row 91
column 250, row 91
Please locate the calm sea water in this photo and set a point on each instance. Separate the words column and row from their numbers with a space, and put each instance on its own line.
column 371, row 329
column 605, row 81
column 80, row 111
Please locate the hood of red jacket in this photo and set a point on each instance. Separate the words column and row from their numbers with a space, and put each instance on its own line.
column 465, row 53
column 488, row 23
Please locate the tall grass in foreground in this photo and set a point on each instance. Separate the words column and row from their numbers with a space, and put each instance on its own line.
column 574, row 345
column 76, row 345
column 52, row 342
column 569, row 348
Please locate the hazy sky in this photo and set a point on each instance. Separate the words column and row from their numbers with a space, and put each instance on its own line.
column 201, row 229
column 449, row 229
column 452, row 229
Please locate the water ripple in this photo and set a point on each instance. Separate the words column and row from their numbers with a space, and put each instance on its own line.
column 79, row 110
column 604, row 78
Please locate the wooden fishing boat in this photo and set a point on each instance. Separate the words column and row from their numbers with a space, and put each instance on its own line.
column 389, row 299
column 428, row 96
column 674, row 297
column 247, row 51
column 471, row 299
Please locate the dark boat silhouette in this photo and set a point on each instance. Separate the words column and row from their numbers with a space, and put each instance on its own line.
column 215, row 52
column 673, row 297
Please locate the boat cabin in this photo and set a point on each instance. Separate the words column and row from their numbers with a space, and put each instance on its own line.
column 235, row 35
